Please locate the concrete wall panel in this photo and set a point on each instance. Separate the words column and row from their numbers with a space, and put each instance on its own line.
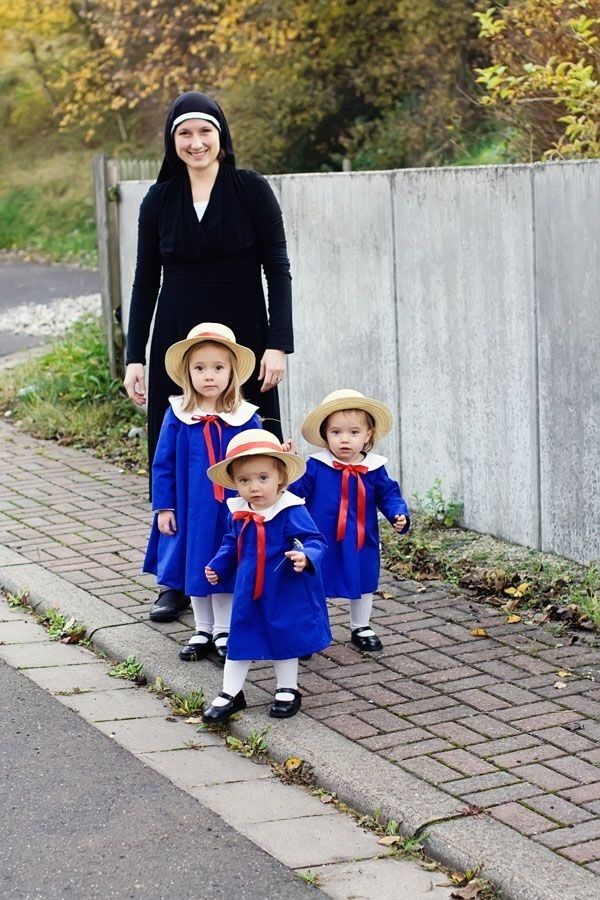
column 340, row 238
column 567, row 228
column 464, row 273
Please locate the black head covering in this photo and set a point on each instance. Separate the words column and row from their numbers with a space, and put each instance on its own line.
column 193, row 102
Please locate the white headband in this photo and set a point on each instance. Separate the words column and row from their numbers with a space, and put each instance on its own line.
column 195, row 115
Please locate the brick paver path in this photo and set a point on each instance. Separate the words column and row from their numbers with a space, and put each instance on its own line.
column 480, row 718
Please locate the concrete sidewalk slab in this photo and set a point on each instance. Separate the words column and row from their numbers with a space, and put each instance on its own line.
column 190, row 769
column 151, row 734
column 366, row 878
column 261, row 801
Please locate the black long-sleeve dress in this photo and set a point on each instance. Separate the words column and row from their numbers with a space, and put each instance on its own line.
column 211, row 272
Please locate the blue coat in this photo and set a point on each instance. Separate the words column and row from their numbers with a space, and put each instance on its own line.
column 180, row 483
column 289, row 618
column 347, row 571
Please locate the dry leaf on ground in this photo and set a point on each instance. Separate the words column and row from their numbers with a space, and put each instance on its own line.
column 478, row 632
column 512, row 620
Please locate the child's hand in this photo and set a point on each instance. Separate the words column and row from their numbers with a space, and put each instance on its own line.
column 210, row 575
column 298, row 560
column 289, row 446
column 167, row 523
column 399, row 523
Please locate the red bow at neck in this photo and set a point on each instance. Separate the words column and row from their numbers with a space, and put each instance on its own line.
column 261, row 546
column 218, row 490
column 357, row 471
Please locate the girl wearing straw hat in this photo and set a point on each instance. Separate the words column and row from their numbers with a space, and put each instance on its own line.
column 275, row 550
column 190, row 512
column 345, row 484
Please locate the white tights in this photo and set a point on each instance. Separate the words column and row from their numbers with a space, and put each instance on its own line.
column 212, row 614
column 236, row 670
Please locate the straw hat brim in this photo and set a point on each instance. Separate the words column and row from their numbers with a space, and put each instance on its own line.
column 381, row 414
column 245, row 358
column 295, row 466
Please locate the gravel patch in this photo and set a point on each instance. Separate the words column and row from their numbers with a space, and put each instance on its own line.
column 48, row 319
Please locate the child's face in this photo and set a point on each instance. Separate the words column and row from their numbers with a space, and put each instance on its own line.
column 346, row 434
column 210, row 370
column 258, row 480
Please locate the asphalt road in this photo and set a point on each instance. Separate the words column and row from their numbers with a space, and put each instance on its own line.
column 82, row 817
column 23, row 282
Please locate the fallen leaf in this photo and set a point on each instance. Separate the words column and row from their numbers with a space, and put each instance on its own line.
column 293, row 763
column 564, row 674
column 559, row 685
column 142, row 471
column 386, row 595
column 193, row 720
column 471, row 891
column 389, row 839
column 327, row 798
column 478, row 632
column 512, row 620
column 473, row 810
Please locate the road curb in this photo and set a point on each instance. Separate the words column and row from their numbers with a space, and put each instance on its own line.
column 521, row 868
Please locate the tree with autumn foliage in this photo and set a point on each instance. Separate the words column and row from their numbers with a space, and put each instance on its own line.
column 545, row 74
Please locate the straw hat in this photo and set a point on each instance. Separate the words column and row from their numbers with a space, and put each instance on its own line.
column 215, row 333
column 338, row 401
column 255, row 442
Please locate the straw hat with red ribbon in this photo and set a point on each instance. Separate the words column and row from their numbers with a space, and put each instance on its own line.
column 338, row 401
column 212, row 332
column 255, row 442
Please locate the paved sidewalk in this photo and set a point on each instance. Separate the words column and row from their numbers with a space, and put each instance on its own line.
column 438, row 726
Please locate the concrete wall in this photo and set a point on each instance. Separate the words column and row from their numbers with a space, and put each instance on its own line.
column 468, row 300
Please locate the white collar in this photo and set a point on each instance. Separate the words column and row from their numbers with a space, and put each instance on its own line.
column 240, row 416
column 371, row 460
column 286, row 500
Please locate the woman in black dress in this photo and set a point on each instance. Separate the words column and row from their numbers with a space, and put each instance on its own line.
column 207, row 229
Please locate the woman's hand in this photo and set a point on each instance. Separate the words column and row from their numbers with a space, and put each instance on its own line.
column 167, row 523
column 135, row 383
column 272, row 367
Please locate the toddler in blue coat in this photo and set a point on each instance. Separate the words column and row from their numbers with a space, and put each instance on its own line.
column 274, row 549
column 345, row 484
column 190, row 511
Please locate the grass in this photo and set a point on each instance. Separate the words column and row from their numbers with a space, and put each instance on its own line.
column 67, row 395
column 190, row 704
column 50, row 214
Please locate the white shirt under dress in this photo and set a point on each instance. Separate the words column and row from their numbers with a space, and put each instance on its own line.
column 200, row 207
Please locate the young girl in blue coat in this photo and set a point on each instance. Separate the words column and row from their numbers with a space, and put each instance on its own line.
column 275, row 549
column 345, row 484
column 190, row 511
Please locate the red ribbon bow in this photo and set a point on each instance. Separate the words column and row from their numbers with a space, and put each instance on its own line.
column 218, row 490
column 357, row 471
column 261, row 546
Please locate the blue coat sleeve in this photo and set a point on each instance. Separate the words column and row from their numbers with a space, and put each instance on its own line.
column 304, row 487
column 389, row 499
column 225, row 561
column 300, row 525
column 164, row 491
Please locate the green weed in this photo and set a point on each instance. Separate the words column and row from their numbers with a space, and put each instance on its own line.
column 309, row 878
column 189, row 704
column 130, row 668
column 62, row 629
column 254, row 746
column 18, row 601
column 436, row 509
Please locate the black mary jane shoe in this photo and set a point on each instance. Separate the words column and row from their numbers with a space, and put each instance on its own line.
column 196, row 650
column 169, row 605
column 221, row 649
column 285, row 709
column 366, row 642
column 215, row 714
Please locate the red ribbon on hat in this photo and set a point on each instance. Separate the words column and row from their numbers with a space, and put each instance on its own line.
column 218, row 490
column 253, row 445
column 261, row 545
column 357, row 471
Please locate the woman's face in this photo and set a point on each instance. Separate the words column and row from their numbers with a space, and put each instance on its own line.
column 197, row 143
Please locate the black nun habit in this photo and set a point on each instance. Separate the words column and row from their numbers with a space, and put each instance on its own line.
column 211, row 270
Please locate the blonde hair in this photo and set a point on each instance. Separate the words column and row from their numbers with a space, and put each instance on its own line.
column 279, row 465
column 368, row 418
column 231, row 397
